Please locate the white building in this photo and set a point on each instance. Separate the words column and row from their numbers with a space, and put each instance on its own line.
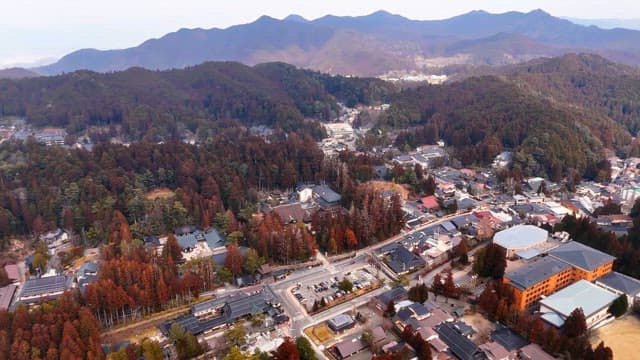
column 520, row 238
column 593, row 300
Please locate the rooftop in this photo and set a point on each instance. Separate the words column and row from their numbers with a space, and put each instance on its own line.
column 520, row 237
column 6, row 295
column 459, row 345
column 535, row 272
column 327, row 194
column 582, row 294
column 44, row 286
column 341, row 321
column 581, row 256
column 534, row 352
column 621, row 282
column 508, row 338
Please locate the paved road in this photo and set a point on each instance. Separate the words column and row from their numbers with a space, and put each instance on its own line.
column 299, row 318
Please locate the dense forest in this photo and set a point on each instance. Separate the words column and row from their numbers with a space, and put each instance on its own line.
column 48, row 187
column 479, row 117
column 158, row 105
column 556, row 114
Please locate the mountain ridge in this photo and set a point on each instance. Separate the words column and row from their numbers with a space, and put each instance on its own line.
column 397, row 39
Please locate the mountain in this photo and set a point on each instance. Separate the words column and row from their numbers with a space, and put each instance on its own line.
column 633, row 24
column 154, row 105
column 16, row 73
column 368, row 45
column 558, row 114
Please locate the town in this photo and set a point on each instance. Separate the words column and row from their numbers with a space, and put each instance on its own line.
column 482, row 268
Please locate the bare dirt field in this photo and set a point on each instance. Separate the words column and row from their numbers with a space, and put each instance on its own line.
column 161, row 193
column 387, row 185
column 621, row 336
column 483, row 326
column 319, row 333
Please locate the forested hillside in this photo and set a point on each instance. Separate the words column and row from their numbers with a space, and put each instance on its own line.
column 156, row 105
column 557, row 114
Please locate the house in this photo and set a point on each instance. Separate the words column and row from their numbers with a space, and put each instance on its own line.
column 294, row 213
column 403, row 261
column 55, row 238
column 506, row 337
column 520, row 238
column 44, row 288
column 326, row 197
column 534, row 352
column 430, row 203
column 593, row 300
column 396, row 294
column 621, row 284
column 459, row 345
column 341, row 322
column 349, row 347
column 12, row 272
column 87, row 274
column 495, row 351
column 6, row 296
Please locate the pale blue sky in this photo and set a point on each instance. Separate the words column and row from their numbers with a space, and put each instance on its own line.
column 32, row 30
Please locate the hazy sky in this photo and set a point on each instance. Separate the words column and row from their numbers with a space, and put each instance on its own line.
column 32, row 30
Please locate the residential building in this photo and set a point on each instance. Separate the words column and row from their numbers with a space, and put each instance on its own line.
column 593, row 300
column 534, row 352
column 403, row 261
column 349, row 347
column 326, row 197
column 459, row 345
column 538, row 278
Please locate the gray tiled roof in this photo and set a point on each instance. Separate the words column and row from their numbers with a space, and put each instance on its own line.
column 581, row 256
column 459, row 345
column 45, row 285
column 535, row 272
column 620, row 282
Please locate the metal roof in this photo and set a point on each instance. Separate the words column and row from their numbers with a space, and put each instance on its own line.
column 581, row 256
column 535, row 272
column 44, row 286
column 459, row 345
column 6, row 295
column 582, row 294
column 621, row 282
column 521, row 237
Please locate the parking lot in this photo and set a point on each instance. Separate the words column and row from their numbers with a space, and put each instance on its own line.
column 329, row 290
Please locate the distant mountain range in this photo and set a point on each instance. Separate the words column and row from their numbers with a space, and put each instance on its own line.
column 368, row 45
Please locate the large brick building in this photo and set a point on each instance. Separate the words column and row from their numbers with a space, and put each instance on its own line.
column 563, row 266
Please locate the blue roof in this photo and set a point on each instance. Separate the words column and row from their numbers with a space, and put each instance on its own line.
column 623, row 283
column 581, row 256
column 582, row 294
column 528, row 254
column 535, row 272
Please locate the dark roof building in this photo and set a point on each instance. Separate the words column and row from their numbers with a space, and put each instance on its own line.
column 294, row 213
column 581, row 256
column 459, row 345
column 403, row 261
column 349, row 347
column 536, row 272
column 509, row 339
column 45, row 288
column 341, row 322
column 620, row 284
column 326, row 197
column 396, row 294
column 218, row 312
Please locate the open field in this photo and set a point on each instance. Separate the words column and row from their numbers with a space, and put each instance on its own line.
column 319, row 333
column 622, row 336
column 161, row 193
